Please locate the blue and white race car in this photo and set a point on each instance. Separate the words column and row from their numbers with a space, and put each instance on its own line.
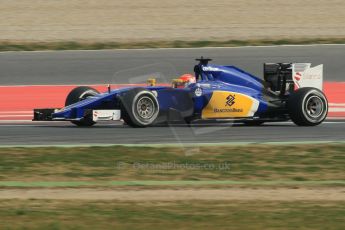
column 288, row 91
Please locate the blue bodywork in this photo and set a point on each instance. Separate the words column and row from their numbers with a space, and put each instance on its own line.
column 228, row 78
column 211, row 78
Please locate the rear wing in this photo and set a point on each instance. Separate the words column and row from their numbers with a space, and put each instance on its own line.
column 304, row 75
column 287, row 77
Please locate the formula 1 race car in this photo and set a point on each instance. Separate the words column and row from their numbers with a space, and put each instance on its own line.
column 288, row 91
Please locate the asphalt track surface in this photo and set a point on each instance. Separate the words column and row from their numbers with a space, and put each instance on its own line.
column 121, row 66
column 67, row 134
column 133, row 66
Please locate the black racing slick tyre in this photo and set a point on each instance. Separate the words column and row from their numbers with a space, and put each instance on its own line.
column 139, row 108
column 307, row 107
column 79, row 94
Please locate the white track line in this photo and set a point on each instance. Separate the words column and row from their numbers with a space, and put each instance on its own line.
column 333, row 109
column 187, row 48
column 336, row 104
column 27, row 123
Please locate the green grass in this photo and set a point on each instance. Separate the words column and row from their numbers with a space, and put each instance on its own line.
column 49, row 214
column 302, row 163
column 250, row 165
column 172, row 183
column 75, row 45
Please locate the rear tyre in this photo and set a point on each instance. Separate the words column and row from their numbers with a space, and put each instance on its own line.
column 307, row 107
column 142, row 111
column 79, row 94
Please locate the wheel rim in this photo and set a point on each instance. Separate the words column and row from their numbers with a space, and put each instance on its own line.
column 314, row 107
column 145, row 108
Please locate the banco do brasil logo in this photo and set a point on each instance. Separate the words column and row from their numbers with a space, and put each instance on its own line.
column 230, row 100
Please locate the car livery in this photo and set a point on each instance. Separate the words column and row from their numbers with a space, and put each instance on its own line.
column 288, row 91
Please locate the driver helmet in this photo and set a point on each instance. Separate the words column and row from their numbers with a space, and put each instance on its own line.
column 187, row 79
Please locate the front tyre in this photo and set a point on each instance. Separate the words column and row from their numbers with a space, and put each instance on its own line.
column 308, row 107
column 79, row 94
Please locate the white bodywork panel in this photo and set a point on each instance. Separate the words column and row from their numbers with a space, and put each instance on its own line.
column 106, row 115
column 304, row 75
